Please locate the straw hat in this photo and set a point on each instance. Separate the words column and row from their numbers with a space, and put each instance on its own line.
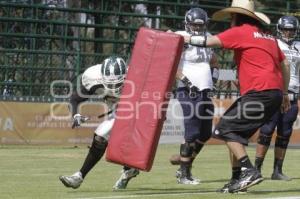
column 245, row 7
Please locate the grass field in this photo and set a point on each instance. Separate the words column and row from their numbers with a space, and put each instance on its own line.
column 32, row 172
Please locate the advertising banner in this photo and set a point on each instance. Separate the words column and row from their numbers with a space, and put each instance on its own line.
column 50, row 123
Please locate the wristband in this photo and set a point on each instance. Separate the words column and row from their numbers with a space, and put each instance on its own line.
column 198, row 41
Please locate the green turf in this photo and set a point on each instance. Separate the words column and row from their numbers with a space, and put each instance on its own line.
column 32, row 172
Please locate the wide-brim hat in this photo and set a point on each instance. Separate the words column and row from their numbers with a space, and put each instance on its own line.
column 245, row 7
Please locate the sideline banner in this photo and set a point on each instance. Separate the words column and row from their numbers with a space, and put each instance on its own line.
column 50, row 123
column 173, row 126
column 45, row 123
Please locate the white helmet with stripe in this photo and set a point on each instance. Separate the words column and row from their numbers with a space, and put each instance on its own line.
column 113, row 72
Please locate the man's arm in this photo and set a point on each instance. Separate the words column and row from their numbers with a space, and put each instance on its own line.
column 214, row 64
column 285, row 68
column 75, row 100
column 203, row 41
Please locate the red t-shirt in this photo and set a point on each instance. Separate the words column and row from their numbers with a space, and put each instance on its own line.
column 257, row 56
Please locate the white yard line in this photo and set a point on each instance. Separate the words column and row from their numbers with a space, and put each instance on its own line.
column 291, row 197
column 170, row 194
column 149, row 195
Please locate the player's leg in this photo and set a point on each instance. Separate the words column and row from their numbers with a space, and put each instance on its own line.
column 235, row 174
column 184, row 175
column 281, row 145
column 191, row 127
column 284, row 132
column 264, row 139
column 176, row 159
column 95, row 153
column 249, row 175
column 206, row 113
column 253, row 110
column 205, row 117
column 126, row 175
column 203, row 121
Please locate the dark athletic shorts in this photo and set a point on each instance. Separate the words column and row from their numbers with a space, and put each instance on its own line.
column 247, row 114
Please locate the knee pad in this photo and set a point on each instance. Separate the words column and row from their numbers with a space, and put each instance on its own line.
column 198, row 147
column 268, row 129
column 282, row 142
column 98, row 146
column 264, row 140
column 186, row 150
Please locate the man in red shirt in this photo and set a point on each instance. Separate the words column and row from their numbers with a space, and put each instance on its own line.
column 263, row 74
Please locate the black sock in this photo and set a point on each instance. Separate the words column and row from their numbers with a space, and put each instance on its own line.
column 236, row 172
column 258, row 163
column 126, row 168
column 90, row 161
column 278, row 165
column 185, row 168
column 245, row 162
column 95, row 154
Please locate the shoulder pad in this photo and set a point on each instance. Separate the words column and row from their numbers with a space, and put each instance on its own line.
column 297, row 46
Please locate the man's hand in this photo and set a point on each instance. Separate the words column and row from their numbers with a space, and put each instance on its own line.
column 78, row 119
column 192, row 89
column 285, row 105
column 215, row 74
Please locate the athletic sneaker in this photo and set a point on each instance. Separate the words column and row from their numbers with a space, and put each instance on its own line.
column 280, row 176
column 179, row 175
column 187, row 180
column 73, row 181
column 125, row 177
column 248, row 178
column 225, row 188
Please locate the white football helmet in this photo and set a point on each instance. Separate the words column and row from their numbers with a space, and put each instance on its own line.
column 113, row 72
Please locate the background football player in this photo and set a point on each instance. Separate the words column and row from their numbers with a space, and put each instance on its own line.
column 105, row 80
column 287, row 30
column 195, row 84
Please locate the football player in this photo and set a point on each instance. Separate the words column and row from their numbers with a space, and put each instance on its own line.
column 195, row 85
column 106, row 80
column 287, row 29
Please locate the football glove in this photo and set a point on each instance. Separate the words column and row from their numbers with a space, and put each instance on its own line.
column 191, row 88
column 78, row 119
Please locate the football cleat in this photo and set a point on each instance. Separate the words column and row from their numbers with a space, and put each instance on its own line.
column 125, row 177
column 280, row 176
column 178, row 175
column 248, row 178
column 225, row 188
column 188, row 181
column 74, row 181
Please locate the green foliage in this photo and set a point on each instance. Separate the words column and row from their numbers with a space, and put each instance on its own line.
column 46, row 40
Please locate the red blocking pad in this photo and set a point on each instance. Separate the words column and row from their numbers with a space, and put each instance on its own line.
column 143, row 104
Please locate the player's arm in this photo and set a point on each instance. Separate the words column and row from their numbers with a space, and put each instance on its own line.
column 214, row 64
column 203, row 41
column 285, row 68
column 188, row 84
column 75, row 100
